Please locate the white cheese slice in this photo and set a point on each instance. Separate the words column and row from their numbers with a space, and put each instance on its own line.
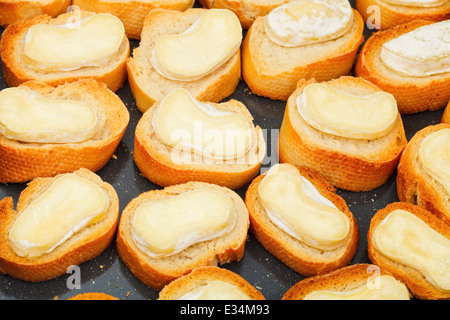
column 216, row 290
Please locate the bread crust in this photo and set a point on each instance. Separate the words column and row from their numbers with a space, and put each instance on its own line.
column 343, row 169
column 22, row 162
column 93, row 296
column 87, row 244
column 280, row 84
column 201, row 276
column 446, row 114
column 299, row 256
column 414, row 185
column 412, row 94
column 16, row 71
column 158, row 272
column 416, row 282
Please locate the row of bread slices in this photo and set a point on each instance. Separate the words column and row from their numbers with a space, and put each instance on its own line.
column 304, row 39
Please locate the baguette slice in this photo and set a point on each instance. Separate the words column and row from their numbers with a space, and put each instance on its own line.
column 21, row 162
column 446, row 115
column 415, row 185
column 296, row 254
column 17, row 71
column 86, row 244
column 417, row 283
column 201, row 276
column 272, row 71
column 93, row 296
column 350, row 164
column 148, row 86
column 154, row 158
column 132, row 13
column 12, row 11
column 158, row 272
column 341, row 280
column 413, row 94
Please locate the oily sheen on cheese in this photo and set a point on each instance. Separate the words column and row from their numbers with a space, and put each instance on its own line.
column 422, row 52
column 408, row 240
column 207, row 44
column 66, row 207
column 90, row 42
column 164, row 227
column 417, row 3
column 216, row 290
column 296, row 206
column 28, row 116
column 304, row 22
column 337, row 112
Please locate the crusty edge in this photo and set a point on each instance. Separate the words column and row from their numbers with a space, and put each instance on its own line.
column 446, row 115
column 93, row 296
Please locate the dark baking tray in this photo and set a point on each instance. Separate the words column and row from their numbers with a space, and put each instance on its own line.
column 108, row 274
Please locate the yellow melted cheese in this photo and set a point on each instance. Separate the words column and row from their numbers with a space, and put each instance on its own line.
column 216, row 290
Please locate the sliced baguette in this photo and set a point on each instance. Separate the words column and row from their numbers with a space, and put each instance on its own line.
column 131, row 13
column 12, row 11
column 413, row 94
column 154, row 158
column 93, row 296
column 298, row 255
column 149, row 86
column 388, row 15
column 158, row 272
column 341, row 280
column 21, row 162
column 416, row 282
column 414, row 185
column 17, row 71
column 446, row 115
column 350, row 164
column 201, row 276
column 273, row 71
column 86, row 244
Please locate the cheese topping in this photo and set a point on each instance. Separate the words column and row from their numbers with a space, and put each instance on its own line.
column 183, row 122
column 303, row 22
column 66, row 207
column 417, row 3
column 337, row 112
column 406, row 239
column 295, row 206
column 383, row 287
column 216, row 290
column 434, row 155
column 201, row 49
column 164, row 227
column 422, row 52
column 28, row 116
column 91, row 43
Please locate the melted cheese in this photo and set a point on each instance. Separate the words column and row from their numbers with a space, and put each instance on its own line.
column 216, row 290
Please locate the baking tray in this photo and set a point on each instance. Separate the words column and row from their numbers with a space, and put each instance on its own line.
column 107, row 273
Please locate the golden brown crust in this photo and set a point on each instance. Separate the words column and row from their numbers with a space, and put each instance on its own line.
column 93, row 296
column 416, row 282
column 87, row 244
column 21, row 162
column 300, row 257
column 446, row 115
column 412, row 94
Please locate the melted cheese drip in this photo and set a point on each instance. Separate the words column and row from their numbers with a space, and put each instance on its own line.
column 418, row 3
column 406, row 239
column 296, row 207
column 91, row 43
column 216, row 290
column 337, row 112
column 66, row 207
column 28, row 116
column 206, row 45
column 164, row 227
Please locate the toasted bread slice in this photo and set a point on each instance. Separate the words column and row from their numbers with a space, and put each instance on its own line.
column 273, row 71
column 93, row 296
column 158, row 272
column 350, row 164
column 415, row 185
column 24, row 161
column 131, row 13
column 446, row 115
column 201, row 276
column 418, row 283
column 296, row 254
column 12, row 11
column 387, row 15
column 17, row 70
column 85, row 244
column 149, row 86
column 341, row 281
column 413, row 94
